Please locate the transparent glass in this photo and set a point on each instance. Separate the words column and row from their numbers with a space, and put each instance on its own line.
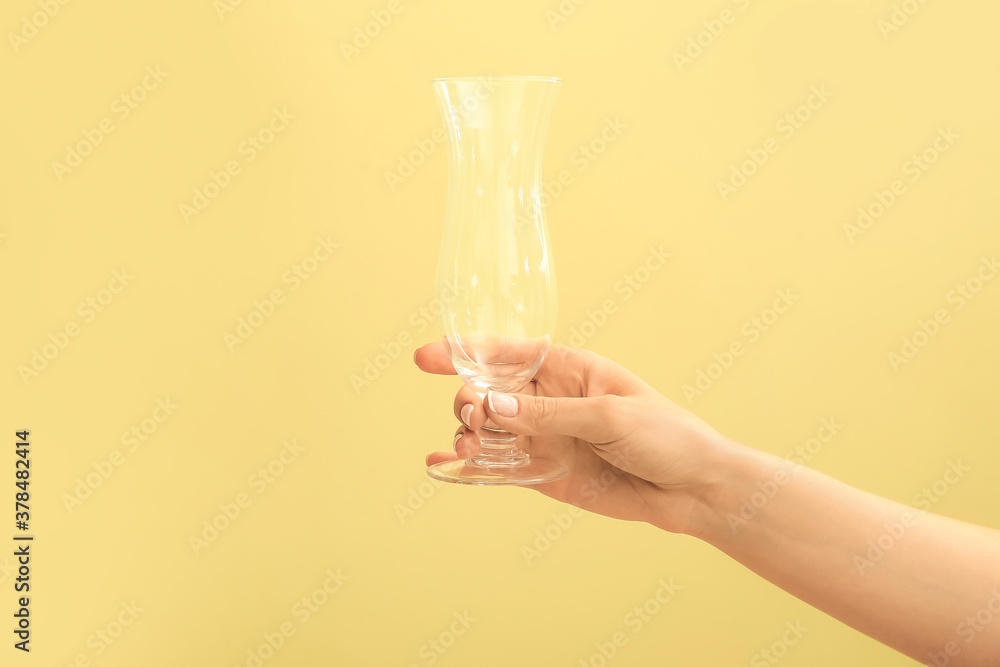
column 495, row 275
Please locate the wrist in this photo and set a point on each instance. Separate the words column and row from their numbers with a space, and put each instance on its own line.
column 738, row 481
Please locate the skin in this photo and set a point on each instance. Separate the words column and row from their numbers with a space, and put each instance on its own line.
column 926, row 585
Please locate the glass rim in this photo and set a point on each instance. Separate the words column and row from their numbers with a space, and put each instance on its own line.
column 492, row 79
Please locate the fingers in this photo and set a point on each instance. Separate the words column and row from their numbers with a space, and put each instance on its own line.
column 434, row 358
column 561, row 361
column 517, row 353
column 464, row 445
column 438, row 457
column 468, row 408
column 598, row 419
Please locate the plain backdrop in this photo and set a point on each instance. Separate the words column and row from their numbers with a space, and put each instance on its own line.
column 219, row 225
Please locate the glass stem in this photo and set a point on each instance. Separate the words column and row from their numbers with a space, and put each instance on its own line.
column 498, row 448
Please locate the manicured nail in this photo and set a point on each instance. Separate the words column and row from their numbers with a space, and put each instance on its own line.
column 454, row 443
column 466, row 414
column 504, row 405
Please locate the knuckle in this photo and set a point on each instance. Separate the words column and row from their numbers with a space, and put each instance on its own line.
column 607, row 408
column 543, row 410
column 611, row 416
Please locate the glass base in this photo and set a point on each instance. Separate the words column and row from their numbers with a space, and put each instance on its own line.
column 467, row 472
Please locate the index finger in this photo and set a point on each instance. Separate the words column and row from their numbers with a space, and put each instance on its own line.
column 514, row 352
column 434, row 358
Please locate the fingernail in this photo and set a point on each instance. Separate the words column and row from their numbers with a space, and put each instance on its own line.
column 454, row 443
column 504, row 405
column 466, row 414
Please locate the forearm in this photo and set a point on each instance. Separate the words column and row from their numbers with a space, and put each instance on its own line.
column 912, row 580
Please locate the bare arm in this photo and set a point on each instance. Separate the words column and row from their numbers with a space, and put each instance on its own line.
column 923, row 584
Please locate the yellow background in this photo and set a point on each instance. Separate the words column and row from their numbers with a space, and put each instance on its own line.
column 337, row 506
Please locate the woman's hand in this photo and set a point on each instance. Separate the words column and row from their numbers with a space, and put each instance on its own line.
column 631, row 453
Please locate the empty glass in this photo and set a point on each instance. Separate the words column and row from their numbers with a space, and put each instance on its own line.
column 495, row 264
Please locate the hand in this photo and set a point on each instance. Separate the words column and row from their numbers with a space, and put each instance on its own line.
column 631, row 453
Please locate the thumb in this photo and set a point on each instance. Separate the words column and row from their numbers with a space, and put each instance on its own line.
column 594, row 419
